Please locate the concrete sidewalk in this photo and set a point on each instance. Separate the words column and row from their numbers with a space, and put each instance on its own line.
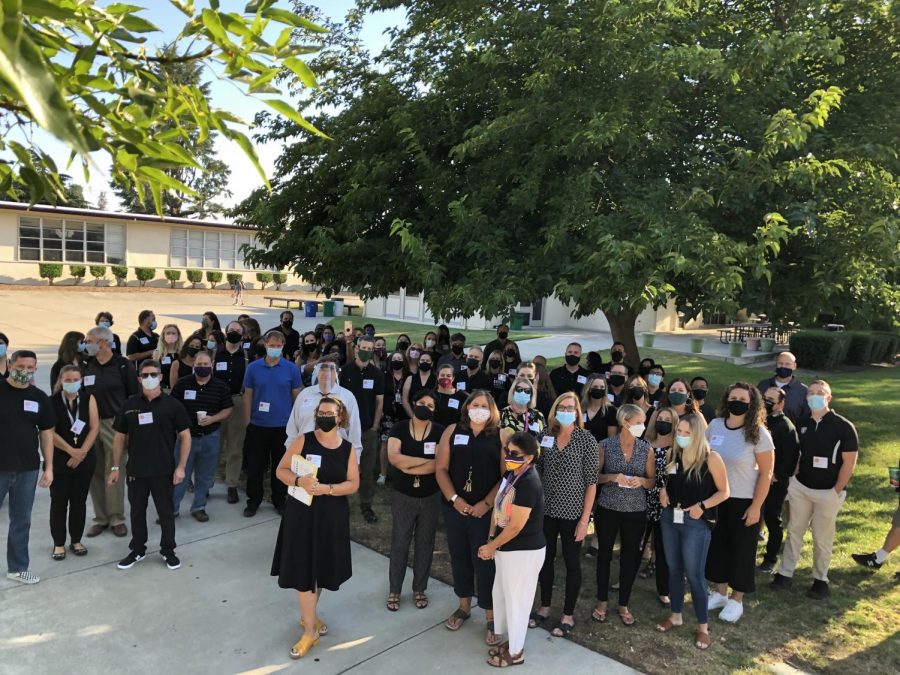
column 223, row 613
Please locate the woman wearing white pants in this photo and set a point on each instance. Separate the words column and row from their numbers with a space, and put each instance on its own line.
column 517, row 545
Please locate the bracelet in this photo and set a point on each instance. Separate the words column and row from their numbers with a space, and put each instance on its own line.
column 296, row 479
column 113, row 468
column 331, row 489
column 454, row 498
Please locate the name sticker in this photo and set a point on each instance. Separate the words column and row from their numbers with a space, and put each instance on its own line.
column 89, row 380
column 145, row 418
column 716, row 440
column 308, row 402
column 222, row 365
column 460, row 439
column 246, row 345
column 501, row 377
column 166, row 360
column 398, row 398
column 78, row 427
column 315, row 460
column 610, row 398
column 461, row 386
column 534, row 427
column 581, row 379
column 672, row 470
column 368, row 384
column 453, row 403
column 144, row 341
column 190, row 395
column 30, row 406
column 547, row 441
column 263, row 406
column 512, row 372
column 430, row 447
column 463, row 366
column 820, row 462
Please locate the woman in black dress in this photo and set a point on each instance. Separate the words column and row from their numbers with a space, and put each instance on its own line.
column 184, row 364
column 313, row 547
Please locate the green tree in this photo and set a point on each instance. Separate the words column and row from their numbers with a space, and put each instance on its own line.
column 81, row 72
column 615, row 155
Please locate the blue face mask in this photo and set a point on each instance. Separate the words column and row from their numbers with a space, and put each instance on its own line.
column 521, row 398
column 273, row 352
column 153, row 325
column 2, row 350
column 816, row 402
column 80, row 347
column 683, row 441
column 72, row 387
column 653, row 379
column 211, row 345
column 104, row 324
column 565, row 418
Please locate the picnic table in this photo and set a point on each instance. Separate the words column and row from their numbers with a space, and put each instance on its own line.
column 739, row 332
column 287, row 302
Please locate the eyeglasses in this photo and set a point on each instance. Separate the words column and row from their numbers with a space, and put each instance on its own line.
column 570, row 408
column 144, row 376
column 514, row 455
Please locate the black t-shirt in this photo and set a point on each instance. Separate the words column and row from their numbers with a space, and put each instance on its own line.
column 426, row 449
column 564, row 381
column 366, row 384
column 393, row 397
column 491, row 347
column 708, row 411
column 140, row 342
column 787, row 445
column 111, row 383
column 166, row 363
column 230, row 369
column 152, row 428
column 448, row 407
column 499, row 388
column 116, row 345
column 528, row 493
column 821, row 446
column 468, row 384
column 599, row 424
column 212, row 397
column 24, row 413
column 474, row 463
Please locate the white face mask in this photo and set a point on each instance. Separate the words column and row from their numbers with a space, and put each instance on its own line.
column 637, row 429
column 479, row 415
column 150, row 383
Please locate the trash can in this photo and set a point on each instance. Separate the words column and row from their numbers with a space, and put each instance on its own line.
column 767, row 344
column 697, row 345
column 515, row 321
column 310, row 307
column 736, row 349
column 647, row 339
column 328, row 308
column 338, row 306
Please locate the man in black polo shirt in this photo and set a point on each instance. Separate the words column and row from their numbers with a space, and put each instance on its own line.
column 699, row 391
column 208, row 402
column 291, row 337
column 26, row 418
column 787, row 450
column 365, row 381
column 148, row 425
column 829, row 447
column 473, row 377
column 498, row 344
column 618, row 374
column 795, row 391
column 230, row 365
column 570, row 377
column 142, row 342
column 111, row 380
column 455, row 356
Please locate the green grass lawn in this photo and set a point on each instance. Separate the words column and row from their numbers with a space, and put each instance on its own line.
column 854, row 631
column 416, row 331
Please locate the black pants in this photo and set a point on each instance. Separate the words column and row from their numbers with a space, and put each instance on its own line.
column 629, row 526
column 68, row 493
column 563, row 529
column 139, row 492
column 465, row 534
column 264, row 446
column 772, row 516
column 732, row 550
column 654, row 533
column 415, row 519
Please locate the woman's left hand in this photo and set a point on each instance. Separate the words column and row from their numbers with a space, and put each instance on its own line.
column 479, row 509
column 696, row 511
column 581, row 530
column 486, row 552
column 308, row 483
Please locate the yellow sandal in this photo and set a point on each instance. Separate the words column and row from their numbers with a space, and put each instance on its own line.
column 303, row 645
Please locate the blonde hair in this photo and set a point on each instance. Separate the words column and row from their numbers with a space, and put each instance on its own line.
column 161, row 345
column 694, row 456
column 586, row 393
column 486, row 364
column 522, row 380
column 626, row 412
column 553, row 426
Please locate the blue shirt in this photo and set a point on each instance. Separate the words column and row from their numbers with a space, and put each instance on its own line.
column 271, row 387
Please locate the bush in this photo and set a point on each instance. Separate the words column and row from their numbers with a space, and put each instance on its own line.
column 98, row 272
column 50, row 271
column 172, row 276
column 820, row 349
column 264, row 278
column 144, row 274
column 886, row 347
column 214, row 278
column 862, row 349
column 120, row 272
column 77, row 271
column 195, row 277
column 233, row 278
column 279, row 279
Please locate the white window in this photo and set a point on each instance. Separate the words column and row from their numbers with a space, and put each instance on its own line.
column 207, row 250
column 72, row 241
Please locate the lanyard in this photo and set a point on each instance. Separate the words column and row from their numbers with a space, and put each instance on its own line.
column 69, row 412
column 509, row 486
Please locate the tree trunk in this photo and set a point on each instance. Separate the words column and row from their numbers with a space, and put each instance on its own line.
column 621, row 325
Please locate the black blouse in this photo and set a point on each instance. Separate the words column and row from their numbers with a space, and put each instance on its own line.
column 66, row 417
column 474, row 463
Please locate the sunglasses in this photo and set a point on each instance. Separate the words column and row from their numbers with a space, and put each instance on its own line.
column 523, row 390
column 144, row 376
column 514, row 455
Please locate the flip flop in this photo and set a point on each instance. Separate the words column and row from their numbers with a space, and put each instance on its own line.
column 421, row 600
column 535, row 620
column 460, row 616
column 491, row 639
column 599, row 615
column 627, row 618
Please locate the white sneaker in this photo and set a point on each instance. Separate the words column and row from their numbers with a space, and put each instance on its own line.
column 380, row 480
column 716, row 601
column 733, row 611
column 25, row 577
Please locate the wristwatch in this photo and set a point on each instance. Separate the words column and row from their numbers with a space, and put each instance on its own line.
column 703, row 507
column 113, row 468
column 453, row 499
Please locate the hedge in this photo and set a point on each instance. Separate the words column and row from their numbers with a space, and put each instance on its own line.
column 195, row 277
column 77, row 271
column 279, row 279
column 172, row 276
column 50, row 271
column 234, row 278
column 144, row 274
column 98, row 272
column 820, row 349
column 264, row 278
column 214, row 278
column 120, row 272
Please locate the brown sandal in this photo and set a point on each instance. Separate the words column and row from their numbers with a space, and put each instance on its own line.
column 421, row 600
column 627, row 618
column 505, row 659
column 494, row 651
column 701, row 640
column 393, row 602
column 666, row 626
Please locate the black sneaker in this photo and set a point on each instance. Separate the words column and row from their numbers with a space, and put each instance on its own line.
column 818, row 591
column 129, row 560
column 781, row 583
column 232, row 496
column 370, row 516
column 172, row 561
column 866, row 560
column 250, row 511
column 766, row 566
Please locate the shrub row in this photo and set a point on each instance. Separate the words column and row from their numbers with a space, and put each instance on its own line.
column 826, row 349
column 52, row 271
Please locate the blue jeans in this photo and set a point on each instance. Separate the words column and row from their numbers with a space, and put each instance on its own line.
column 686, row 547
column 202, row 463
column 20, row 485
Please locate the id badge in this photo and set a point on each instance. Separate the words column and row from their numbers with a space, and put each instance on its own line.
column 678, row 516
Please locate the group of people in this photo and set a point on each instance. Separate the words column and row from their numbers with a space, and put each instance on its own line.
column 513, row 457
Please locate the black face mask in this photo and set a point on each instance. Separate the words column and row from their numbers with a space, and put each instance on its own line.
column 510, row 354
column 309, row 348
column 502, row 335
column 572, row 360
column 472, row 364
column 396, row 365
column 598, row 393
column 381, row 352
column 616, row 380
column 326, row 423
column 644, row 371
column 494, row 363
column 698, row 394
column 663, row 428
column 636, row 393
column 423, row 413
column 192, row 351
column 287, row 323
column 769, row 406
column 233, row 337
column 456, row 349
column 425, row 367
column 737, row 407
column 617, row 357
column 402, row 346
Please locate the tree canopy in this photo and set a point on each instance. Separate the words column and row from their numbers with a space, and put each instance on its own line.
column 612, row 154
column 84, row 74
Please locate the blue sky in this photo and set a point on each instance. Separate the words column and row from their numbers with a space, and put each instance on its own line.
column 244, row 177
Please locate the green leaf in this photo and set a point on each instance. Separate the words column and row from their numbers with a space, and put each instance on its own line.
column 245, row 145
column 302, row 71
column 292, row 114
column 284, row 16
column 155, row 175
